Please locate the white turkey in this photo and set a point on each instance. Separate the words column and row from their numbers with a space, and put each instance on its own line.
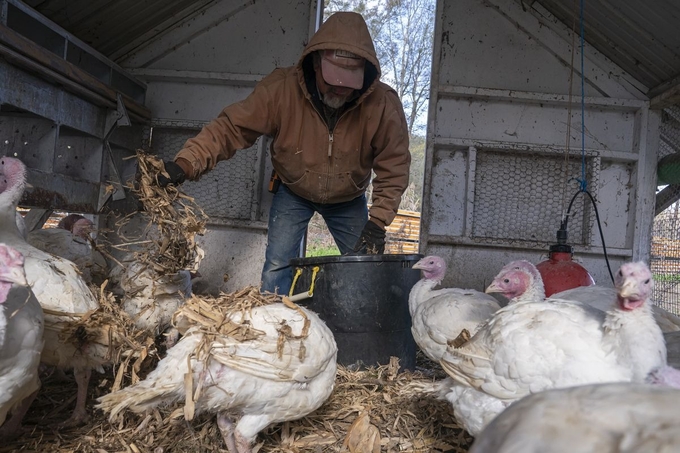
column 531, row 346
column 673, row 348
column 21, row 341
column 596, row 296
column 58, row 287
column 519, row 282
column 471, row 407
column 439, row 316
column 75, row 246
column 283, row 373
column 524, row 286
column 599, row 297
column 149, row 291
column 615, row 417
column 151, row 298
column 667, row 376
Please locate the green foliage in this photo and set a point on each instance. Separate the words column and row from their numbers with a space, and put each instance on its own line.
column 667, row 278
column 322, row 250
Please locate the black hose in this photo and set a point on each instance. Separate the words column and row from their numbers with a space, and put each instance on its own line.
column 599, row 225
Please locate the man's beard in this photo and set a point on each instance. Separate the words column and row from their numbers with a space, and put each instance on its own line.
column 333, row 100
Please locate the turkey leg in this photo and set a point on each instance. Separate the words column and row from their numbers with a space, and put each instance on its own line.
column 80, row 415
column 12, row 427
column 226, row 427
column 242, row 444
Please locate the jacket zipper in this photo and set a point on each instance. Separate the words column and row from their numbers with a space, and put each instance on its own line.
column 330, row 142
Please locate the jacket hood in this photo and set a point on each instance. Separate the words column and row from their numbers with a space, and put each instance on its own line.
column 345, row 31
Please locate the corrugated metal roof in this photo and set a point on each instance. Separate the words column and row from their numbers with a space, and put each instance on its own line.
column 639, row 36
column 113, row 27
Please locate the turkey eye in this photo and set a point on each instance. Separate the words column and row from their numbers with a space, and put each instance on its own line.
column 646, row 281
column 507, row 280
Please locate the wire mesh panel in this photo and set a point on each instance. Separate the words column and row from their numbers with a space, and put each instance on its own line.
column 669, row 142
column 519, row 197
column 665, row 259
column 665, row 252
column 226, row 192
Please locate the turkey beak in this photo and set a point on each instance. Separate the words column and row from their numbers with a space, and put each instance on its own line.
column 14, row 275
column 417, row 266
column 493, row 288
column 629, row 290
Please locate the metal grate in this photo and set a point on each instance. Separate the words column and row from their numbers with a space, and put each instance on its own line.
column 521, row 197
column 226, row 192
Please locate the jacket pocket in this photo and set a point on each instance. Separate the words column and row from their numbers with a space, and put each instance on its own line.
column 361, row 185
column 286, row 179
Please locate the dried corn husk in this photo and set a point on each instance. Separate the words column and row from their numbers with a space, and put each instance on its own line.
column 212, row 314
column 174, row 214
column 107, row 326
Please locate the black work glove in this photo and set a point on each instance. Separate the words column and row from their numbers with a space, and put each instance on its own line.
column 175, row 172
column 371, row 241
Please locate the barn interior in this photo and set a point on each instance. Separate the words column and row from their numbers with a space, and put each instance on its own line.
column 516, row 127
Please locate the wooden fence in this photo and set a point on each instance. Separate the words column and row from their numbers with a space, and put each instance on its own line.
column 403, row 234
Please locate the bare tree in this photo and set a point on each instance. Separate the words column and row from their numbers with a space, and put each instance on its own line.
column 402, row 31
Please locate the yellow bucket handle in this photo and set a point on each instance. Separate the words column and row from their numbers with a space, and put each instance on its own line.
column 310, row 292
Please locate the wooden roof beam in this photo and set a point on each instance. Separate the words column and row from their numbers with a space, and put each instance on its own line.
column 665, row 95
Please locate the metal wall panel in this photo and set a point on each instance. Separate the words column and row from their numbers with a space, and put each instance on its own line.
column 504, row 146
column 521, row 121
column 59, row 136
column 231, row 36
column 192, row 100
column 33, row 138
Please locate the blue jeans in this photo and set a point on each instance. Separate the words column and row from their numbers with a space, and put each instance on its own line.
column 288, row 220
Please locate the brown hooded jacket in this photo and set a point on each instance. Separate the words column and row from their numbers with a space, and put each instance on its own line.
column 318, row 164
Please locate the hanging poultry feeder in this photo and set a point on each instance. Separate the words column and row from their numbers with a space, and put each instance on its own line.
column 560, row 272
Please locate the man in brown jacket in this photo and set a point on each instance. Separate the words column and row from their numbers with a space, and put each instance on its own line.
column 333, row 123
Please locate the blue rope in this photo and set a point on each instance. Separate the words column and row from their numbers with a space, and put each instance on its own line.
column 584, row 183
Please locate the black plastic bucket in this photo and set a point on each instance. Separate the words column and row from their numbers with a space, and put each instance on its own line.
column 364, row 301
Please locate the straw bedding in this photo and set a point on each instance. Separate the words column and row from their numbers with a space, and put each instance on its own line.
column 376, row 406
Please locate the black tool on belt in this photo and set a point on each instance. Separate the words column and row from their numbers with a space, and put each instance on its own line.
column 274, row 182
